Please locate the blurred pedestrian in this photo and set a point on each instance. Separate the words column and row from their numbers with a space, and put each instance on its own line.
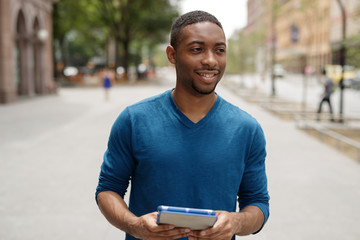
column 106, row 84
column 187, row 147
column 326, row 95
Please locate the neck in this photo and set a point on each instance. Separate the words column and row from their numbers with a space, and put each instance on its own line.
column 194, row 107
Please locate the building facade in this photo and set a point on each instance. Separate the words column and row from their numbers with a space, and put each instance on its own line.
column 304, row 35
column 26, row 58
column 302, row 30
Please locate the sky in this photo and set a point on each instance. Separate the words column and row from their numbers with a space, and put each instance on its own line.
column 231, row 13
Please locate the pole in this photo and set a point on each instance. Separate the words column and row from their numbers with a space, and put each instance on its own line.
column 342, row 60
column 273, row 47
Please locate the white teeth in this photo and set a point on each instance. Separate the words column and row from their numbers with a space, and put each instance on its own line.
column 207, row 75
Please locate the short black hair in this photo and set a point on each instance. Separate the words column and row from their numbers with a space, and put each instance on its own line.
column 188, row 19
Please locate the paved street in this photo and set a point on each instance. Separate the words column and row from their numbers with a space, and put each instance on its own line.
column 51, row 149
column 293, row 87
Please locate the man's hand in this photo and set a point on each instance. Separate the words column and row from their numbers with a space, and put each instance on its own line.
column 116, row 212
column 223, row 229
column 246, row 222
column 145, row 227
column 243, row 223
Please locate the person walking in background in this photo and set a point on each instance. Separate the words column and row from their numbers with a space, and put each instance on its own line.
column 106, row 84
column 326, row 96
column 187, row 147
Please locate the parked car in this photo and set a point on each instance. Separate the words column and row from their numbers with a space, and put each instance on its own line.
column 70, row 71
column 354, row 82
column 335, row 71
column 279, row 71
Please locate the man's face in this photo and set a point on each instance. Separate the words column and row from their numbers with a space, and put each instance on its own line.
column 200, row 57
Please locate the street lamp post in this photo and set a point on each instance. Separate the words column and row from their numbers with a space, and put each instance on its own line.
column 273, row 46
column 342, row 59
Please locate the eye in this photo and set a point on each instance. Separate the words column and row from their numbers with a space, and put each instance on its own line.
column 196, row 49
column 221, row 50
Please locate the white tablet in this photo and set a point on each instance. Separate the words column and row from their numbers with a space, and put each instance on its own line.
column 193, row 218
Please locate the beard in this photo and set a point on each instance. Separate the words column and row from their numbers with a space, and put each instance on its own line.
column 202, row 91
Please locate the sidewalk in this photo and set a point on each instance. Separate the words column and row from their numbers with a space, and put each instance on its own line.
column 288, row 103
column 294, row 88
column 51, row 149
column 314, row 189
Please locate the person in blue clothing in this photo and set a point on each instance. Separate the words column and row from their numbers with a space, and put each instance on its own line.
column 187, row 147
column 106, row 84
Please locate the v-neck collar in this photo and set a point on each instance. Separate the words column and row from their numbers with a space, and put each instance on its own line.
column 185, row 120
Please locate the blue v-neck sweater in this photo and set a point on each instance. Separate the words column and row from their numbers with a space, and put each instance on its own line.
column 171, row 160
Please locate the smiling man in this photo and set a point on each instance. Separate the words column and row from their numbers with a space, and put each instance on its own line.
column 187, row 147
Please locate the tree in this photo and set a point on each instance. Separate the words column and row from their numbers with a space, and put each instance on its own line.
column 62, row 13
column 86, row 26
column 353, row 51
column 243, row 51
column 141, row 21
column 353, row 44
column 76, row 32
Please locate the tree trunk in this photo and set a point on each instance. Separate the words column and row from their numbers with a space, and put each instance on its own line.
column 126, row 59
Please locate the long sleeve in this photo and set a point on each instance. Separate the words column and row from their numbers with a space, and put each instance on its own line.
column 118, row 161
column 253, row 188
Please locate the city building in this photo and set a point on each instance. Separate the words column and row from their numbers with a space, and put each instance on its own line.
column 303, row 35
column 26, row 56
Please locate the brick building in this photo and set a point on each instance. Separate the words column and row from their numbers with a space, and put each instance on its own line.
column 26, row 58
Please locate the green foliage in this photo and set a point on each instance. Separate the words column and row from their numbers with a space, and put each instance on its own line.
column 353, row 44
column 86, row 26
column 136, row 24
column 77, row 34
column 234, row 60
column 242, row 51
column 159, row 56
column 353, row 51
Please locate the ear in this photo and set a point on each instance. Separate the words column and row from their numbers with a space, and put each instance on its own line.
column 171, row 54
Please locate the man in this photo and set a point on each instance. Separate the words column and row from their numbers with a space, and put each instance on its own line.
column 328, row 90
column 187, row 147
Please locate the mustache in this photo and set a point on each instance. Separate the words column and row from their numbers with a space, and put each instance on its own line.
column 208, row 69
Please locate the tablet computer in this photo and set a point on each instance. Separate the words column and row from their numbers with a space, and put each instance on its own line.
column 193, row 218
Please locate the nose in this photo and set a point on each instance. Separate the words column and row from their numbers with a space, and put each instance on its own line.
column 209, row 59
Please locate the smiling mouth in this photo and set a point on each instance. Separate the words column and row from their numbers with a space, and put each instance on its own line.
column 208, row 75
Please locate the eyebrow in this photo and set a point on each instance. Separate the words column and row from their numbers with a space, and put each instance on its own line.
column 203, row 43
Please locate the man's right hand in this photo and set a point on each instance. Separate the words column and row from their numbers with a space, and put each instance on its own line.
column 145, row 227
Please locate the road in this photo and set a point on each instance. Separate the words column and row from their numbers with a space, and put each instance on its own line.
column 51, row 150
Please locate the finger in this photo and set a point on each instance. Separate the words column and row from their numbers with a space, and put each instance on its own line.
column 151, row 224
column 161, row 228
column 174, row 234
column 206, row 234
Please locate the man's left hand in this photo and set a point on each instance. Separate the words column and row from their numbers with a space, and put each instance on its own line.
column 223, row 229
